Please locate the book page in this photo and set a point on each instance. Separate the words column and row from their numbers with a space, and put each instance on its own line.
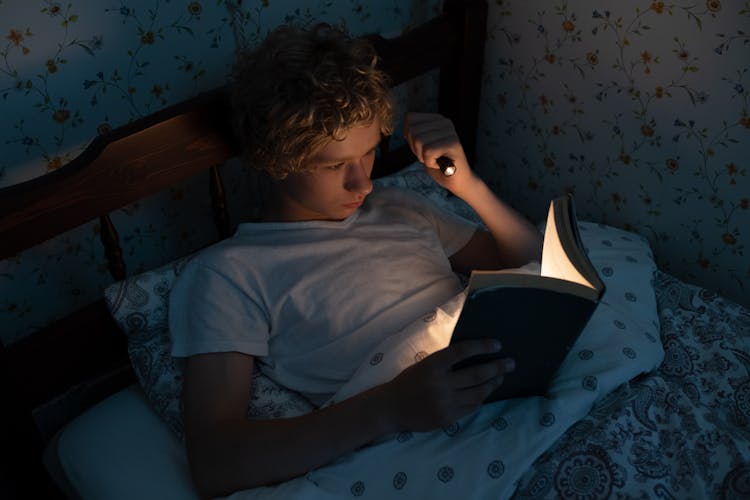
column 483, row 278
column 555, row 262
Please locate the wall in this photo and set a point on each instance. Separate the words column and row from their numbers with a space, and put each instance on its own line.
column 640, row 109
column 71, row 70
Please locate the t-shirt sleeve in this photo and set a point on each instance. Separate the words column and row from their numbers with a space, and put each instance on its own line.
column 208, row 312
column 453, row 230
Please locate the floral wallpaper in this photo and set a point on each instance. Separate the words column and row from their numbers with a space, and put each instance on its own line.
column 70, row 70
column 641, row 109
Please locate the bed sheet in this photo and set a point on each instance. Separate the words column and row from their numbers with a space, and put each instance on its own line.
column 681, row 431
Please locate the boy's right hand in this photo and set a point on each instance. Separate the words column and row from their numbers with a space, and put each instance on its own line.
column 432, row 394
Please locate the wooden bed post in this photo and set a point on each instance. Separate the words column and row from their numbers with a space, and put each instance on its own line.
column 460, row 90
column 454, row 43
column 219, row 203
column 20, row 444
column 112, row 250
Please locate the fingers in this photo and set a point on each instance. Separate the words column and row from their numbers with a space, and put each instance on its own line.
column 465, row 349
column 477, row 375
column 430, row 136
column 431, row 393
column 472, row 398
column 474, row 374
column 415, row 121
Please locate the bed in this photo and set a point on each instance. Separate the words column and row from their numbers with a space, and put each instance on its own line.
column 653, row 401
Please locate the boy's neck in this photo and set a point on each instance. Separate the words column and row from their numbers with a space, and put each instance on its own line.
column 274, row 208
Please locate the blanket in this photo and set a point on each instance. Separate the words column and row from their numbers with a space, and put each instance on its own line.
column 482, row 455
column 485, row 454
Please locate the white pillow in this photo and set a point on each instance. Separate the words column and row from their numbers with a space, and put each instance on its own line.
column 120, row 450
column 139, row 305
column 621, row 339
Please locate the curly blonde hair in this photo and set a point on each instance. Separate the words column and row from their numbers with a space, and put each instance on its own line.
column 300, row 89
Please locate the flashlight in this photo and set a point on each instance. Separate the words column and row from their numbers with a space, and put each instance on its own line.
column 446, row 166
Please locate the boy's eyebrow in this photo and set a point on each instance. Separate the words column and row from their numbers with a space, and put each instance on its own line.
column 339, row 159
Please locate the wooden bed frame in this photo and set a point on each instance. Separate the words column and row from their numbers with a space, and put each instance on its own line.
column 53, row 375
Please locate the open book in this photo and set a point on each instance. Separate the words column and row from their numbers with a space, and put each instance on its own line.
column 536, row 317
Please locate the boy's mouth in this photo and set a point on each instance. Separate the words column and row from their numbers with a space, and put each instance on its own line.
column 354, row 204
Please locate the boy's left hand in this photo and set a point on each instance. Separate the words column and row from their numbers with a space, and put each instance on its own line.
column 431, row 135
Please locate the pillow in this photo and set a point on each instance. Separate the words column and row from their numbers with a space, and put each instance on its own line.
column 415, row 177
column 626, row 265
column 139, row 306
column 622, row 338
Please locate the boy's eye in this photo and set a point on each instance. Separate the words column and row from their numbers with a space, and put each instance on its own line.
column 335, row 166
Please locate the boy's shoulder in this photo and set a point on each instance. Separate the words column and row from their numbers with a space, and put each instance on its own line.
column 409, row 199
column 223, row 254
column 398, row 203
column 389, row 194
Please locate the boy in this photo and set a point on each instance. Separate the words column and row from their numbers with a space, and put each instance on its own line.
column 329, row 271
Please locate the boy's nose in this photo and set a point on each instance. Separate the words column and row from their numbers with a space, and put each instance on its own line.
column 358, row 179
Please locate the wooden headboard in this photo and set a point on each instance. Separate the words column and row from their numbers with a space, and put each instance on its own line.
column 51, row 376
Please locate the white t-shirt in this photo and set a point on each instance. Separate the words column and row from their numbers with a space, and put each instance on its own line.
column 311, row 299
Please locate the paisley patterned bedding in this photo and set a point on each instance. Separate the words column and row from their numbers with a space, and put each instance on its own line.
column 681, row 431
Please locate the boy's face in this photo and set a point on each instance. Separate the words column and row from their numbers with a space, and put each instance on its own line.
column 338, row 180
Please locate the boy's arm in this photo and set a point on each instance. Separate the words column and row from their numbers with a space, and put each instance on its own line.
column 228, row 453
column 512, row 240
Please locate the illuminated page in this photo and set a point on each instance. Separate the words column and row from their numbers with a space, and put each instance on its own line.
column 555, row 262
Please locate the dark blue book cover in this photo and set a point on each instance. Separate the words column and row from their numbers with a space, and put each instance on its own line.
column 536, row 317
